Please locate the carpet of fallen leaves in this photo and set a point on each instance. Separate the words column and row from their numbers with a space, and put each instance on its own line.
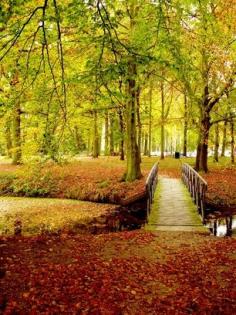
column 221, row 193
column 89, row 179
column 100, row 180
column 122, row 273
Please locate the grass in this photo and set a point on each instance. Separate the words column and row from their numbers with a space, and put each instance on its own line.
column 153, row 216
column 37, row 216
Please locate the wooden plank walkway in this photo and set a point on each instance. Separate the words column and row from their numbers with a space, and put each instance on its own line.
column 173, row 208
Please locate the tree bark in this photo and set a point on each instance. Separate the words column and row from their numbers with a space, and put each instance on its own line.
column 16, row 134
column 77, row 139
column 232, row 141
column 121, row 144
column 95, row 135
column 224, row 139
column 106, row 149
column 145, row 144
column 133, row 170
column 139, row 120
column 89, row 143
column 202, row 150
column 185, row 125
column 8, row 137
column 150, row 122
column 111, row 135
column 162, row 121
column 217, row 144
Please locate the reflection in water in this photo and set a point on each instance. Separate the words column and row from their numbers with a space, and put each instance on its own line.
column 225, row 226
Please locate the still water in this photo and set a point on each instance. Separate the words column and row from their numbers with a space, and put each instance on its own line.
column 223, row 226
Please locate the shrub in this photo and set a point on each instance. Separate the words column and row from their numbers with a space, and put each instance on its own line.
column 36, row 182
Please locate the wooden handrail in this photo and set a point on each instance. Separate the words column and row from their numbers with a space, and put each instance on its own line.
column 197, row 187
column 151, row 184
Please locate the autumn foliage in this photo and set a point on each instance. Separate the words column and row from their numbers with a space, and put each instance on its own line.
column 126, row 273
column 90, row 180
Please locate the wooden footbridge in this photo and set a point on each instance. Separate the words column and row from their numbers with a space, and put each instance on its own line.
column 176, row 205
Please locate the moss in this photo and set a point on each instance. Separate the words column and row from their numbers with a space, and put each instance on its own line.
column 153, row 216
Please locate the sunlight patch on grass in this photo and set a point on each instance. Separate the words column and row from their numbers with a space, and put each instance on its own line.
column 48, row 215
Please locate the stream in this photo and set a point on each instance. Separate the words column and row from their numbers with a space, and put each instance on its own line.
column 222, row 226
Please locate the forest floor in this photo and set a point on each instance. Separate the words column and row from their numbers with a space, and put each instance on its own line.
column 97, row 180
column 125, row 273
column 100, row 180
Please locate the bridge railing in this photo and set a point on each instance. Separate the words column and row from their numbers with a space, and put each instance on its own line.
column 151, row 184
column 197, row 187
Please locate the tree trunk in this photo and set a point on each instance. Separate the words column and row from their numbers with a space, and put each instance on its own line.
column 139, row 120
column 145, row 144
column 150, row 122
column 202, row 150
column 217, row 144
column 185, row 125
column 232, row 141
column 224, row 139
column 16, row 134
column 133, row 170
column 95, row 136
column 89, row 143
column 106, row 150
column 197, row 162
column 121, row 144
column 77, row 139
column 162, row 122
column 8, row 137
column 229, row 226
column 111, row 135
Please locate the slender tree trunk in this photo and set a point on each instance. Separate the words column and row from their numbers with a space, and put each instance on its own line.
column 121, row 144
column 229, row 226
column 145, row 144
column 232, row 141
column 171, row 146
column 106, row 151
column 217, row 144
column 89, row 143
column 77, row 139
column 111, row 135
column 139, row 120
column 16, row 134
column 8, row 137
column 162, row 121
column 95, row 135
column 224, row 139
column 16, row 122
column 133, row 170
column 150, row 122
column 185, row 125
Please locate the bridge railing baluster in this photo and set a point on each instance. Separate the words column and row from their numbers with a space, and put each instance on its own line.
column 151, row 184
column 197, row 187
